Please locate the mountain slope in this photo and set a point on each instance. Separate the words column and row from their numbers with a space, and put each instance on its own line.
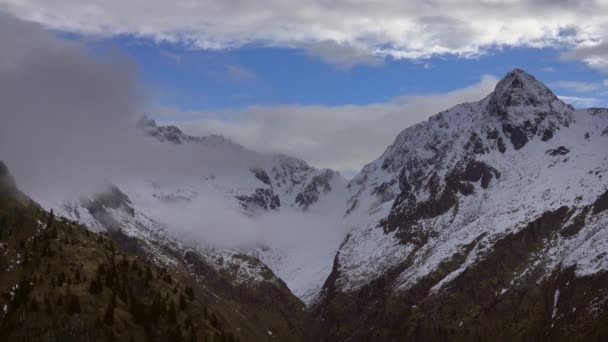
column 261, row 194
column 264, row 181
column 486, row 207
column 62, row 282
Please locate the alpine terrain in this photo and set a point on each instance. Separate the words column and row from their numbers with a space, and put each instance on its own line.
column 489, row 221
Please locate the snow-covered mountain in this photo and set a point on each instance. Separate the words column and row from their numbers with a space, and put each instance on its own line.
column 271, row 182
column 470, row 175
column 262, row 193
column 510, row 192
column 488, row 207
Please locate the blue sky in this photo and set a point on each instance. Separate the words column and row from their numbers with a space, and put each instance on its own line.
column 193, row 79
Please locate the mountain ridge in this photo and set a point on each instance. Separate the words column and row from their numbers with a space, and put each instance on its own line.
column 491, row 208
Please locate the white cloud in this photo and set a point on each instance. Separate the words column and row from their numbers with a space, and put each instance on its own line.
column 239, row 73
column 594, row 54
column 576, row 86
column 583, row 102
column 396, row 28
column 548, row 69
column 343, row 57
column 339, row 137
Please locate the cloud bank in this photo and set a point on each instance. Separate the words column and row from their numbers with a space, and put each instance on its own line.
column 359, row 29
column 341, row 137
column 68, row 127
column 68, row 118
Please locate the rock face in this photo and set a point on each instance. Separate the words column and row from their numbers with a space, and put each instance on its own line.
column 262, row 198
column 318, row 185
column 526, row 108
column 173, row 134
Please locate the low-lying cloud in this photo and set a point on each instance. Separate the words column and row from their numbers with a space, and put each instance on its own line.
column 68, row 117
column 68, row 127
column 339, row 137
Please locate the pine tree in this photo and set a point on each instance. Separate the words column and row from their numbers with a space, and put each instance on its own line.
column 95, row 287
column 73, row 304
column 156, row 309
column 77, row 275
column 189, row 292
column 33, row 305
column 124, row 263
column 110, row 278
column 52, row 232
column 137, row 311
column 123, row 293
column 182, row 301
column 171, row 313
column 47, row 306
column 108, row 317
column 192, row 337
column 26, row 260
column 60, row 278
column 51, row 218
column 214, row 321
column 21, row 293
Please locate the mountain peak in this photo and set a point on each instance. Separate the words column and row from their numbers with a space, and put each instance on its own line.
column 175, row 135
column 520, row 89
column 526, row 107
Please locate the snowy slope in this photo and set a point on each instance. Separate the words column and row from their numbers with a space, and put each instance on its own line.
column 278, row 193
column 457, row 183
column 253, row 206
